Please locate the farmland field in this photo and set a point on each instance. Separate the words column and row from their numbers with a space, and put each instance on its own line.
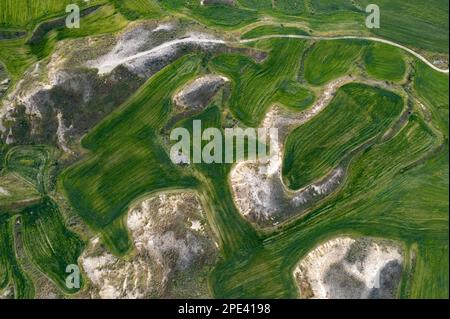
column 358, row 113
column 329, row 60
column 90, row 117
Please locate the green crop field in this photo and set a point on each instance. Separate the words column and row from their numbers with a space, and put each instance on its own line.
column 32, row 163
column 290, row 7
column 327, row 6
column 104, row 182
column 217, row 15
column 10, row 271
column 256, row 4
column 329, row 60
column 415, row 23
column 70, row 193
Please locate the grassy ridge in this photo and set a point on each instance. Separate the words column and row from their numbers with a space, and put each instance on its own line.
column 329, row 60
column 255, row 85
column 16, row 56
column 384, row 62
column 357, row 114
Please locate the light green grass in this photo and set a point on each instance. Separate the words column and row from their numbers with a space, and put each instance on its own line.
column 429, row 281
column 16, row 56
column 105, row 20
column 223, row 16
column 126, row 161
column 330, row 6
column 32, row 163
column 256, row 4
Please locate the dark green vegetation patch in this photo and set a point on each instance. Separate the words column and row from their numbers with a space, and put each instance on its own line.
column 396, row 187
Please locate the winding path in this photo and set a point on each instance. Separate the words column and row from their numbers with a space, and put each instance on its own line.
column 417, row 55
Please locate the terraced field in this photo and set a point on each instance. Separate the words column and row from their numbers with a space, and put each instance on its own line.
column 267, row 78
column 85, row 148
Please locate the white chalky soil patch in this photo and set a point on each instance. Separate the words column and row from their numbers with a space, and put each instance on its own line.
column 169, row 239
